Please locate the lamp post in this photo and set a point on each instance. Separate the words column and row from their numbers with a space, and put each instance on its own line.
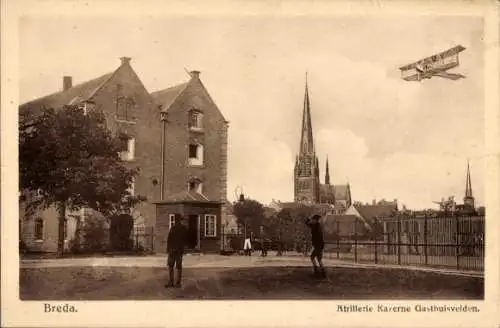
column 163, row 118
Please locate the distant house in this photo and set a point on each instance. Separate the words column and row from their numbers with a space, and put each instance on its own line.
column 188, row 176
column 369, row 213
column 343, row 226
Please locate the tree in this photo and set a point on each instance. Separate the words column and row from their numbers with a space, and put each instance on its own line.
column 71, row 160
column 249, row 215
column 291, row 225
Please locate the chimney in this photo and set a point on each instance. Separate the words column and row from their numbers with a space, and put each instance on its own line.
column 374, row 202
column 125, row 60
column 67, row 82
column 195, row 74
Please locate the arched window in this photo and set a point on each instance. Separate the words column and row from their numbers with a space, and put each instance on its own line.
column 38, row 229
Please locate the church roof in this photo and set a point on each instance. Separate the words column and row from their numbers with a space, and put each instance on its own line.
column 341, row 192
column 166, row 97
column 326, row 192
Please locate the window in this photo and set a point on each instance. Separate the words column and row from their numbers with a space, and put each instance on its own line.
column 125, row 106
column 171, row 220
column 39, row 229
column 195, row 120
column 195, row 154
column 210, row 226
column 127, row 148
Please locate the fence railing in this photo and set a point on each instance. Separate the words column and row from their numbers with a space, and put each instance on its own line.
column 452, row 242
column 143, row 239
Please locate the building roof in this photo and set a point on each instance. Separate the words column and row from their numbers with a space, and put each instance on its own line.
column 166, row 97
column 269, row 211
column 341, row 192
column 327, row 191
column 343, row 224
column 369, row 212
column 187, row 197
column 77, row 93
column 341, row 218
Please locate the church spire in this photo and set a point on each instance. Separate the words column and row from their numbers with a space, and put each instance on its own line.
column 306, row 139
column 468, row 198
column 468, row 184
column 327, row 172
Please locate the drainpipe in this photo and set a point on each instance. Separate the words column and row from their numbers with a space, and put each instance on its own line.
column 163, row 118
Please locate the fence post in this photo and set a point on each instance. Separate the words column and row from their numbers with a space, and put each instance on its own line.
column 426, row 259
column 399, row 238
column 338, row 241
column 355, row 240
column 457, row 242
column 375, row 234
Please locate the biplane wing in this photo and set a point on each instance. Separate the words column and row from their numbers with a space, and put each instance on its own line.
column 433, row 65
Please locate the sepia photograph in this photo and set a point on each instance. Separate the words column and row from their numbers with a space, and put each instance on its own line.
column 253, row 157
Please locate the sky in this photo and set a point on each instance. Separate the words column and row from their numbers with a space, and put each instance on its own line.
column 389, row 138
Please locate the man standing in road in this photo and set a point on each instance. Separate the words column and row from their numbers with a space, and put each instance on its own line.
column 318, row 245
column 177, row 239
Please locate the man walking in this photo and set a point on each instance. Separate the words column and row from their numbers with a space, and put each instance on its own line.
column 177, row 238
column 318, row 245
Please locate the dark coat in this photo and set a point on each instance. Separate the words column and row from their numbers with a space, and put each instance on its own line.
column 177, row 238
column 316, row 233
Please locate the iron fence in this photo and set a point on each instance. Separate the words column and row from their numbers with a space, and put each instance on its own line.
column 143, row 239
column 452, row 242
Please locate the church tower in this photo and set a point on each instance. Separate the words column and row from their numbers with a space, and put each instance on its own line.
column 468, row 199
column 306, row 164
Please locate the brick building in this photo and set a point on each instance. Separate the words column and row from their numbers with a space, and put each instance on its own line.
column 192, row 168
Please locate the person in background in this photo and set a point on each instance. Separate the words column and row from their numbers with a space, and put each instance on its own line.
column 247, row 246
column 177, row 239
column 318, row 244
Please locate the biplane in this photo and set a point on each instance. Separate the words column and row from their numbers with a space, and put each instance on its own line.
column 435, row 65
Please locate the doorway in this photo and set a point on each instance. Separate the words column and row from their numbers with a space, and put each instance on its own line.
column 193, row 230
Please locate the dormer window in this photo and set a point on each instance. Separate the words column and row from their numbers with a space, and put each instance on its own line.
column 195, row 154
column 195, row 120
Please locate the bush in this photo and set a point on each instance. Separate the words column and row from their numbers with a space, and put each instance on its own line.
column 95, row 235
column 91, row 237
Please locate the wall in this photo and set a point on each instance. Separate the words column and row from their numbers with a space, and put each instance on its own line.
column 146, row 131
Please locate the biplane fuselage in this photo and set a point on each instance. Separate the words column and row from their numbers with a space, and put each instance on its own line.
column 435, row 65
